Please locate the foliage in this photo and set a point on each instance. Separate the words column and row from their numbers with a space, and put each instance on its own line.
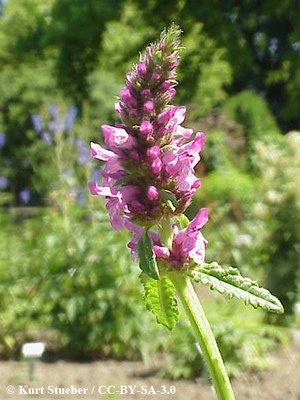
column 228, row 186
column 56, row 267
column 160, row 298
column 147, row 260
column 218, row 155
column 64, row 259
column 279, row 209
column 244, row 342
column 57, row 262
column 77, row 52
column 204, row 74
column 229, row 281
column 259, row 228
column 260, row 41
column 253, row 113
column 262, row 47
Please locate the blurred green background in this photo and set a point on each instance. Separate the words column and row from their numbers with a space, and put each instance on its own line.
column 65, row 276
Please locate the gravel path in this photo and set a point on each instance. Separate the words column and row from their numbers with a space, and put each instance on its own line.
column 65, row 380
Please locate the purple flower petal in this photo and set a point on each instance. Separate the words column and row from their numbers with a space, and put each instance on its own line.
column 70, row 118
column 37, row 123
column 2, row 139
column 25, row 195
column 3, row 182
column 53, row 111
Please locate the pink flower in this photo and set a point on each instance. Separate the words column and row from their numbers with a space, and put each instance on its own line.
column 137, row 233
column 188, row 244
column 178, row 113
column 102, row 190
column 166, row 85
column 166, row 115
column 192, row 149
column 116, row 215
column 150, row 156
column 186, row 177
column 112, row 171
column 117, row 137
column 102, row 154
column 170, row 94
column 118, row 107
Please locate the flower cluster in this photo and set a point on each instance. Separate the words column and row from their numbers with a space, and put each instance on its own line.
column 149, row 156
column 56, row 124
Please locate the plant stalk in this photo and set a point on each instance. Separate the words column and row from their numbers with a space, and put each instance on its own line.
column 204, row 334
column 166, row 232
column 199, row 322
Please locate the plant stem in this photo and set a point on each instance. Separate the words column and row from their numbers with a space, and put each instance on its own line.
column 204, row 335
column 166, row 232
column 199, row 322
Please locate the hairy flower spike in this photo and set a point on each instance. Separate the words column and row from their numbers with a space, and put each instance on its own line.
column 148, row 181
column 148, row 150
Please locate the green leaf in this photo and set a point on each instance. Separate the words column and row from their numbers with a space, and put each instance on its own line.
column 147, row 260
column 229, row 281
column 123, row 180
column 161, row 300
column 169, row 199
column 182, row 220
column 158, row 54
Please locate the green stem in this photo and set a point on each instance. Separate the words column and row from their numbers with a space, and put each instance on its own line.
column 199, row 322
column 204, row 335
column 166, row 232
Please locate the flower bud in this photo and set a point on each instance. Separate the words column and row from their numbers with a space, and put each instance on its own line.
column 166, row 85
column 127, row 97
column 152, row 193
column 174, row 63
column 148, row 106
column 196, row 184
column 170, row 94
column 146, row 93
column 156, row 166
column 153, row 152
column 146, row 128
column 161, row 251
column 142, row 69
column 155, row 76
column 134, row 155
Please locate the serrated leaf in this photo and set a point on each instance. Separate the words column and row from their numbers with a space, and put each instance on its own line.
column 161, row 300
column 229, row 281
column 147, row 260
